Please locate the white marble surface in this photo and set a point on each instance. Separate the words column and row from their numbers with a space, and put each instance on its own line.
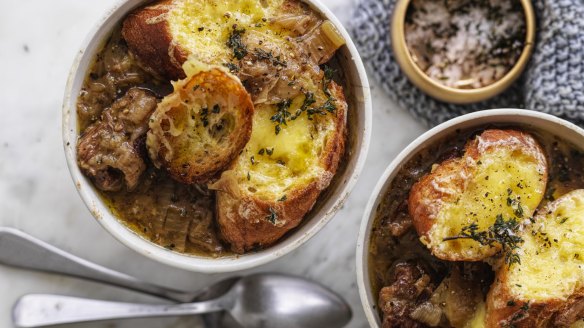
column 39, row 40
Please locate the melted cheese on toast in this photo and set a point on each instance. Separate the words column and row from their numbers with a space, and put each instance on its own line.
column 552, row 255
column 203, row 26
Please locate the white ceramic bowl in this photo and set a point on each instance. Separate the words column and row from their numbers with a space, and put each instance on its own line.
column 528, row 119
column 358, row 96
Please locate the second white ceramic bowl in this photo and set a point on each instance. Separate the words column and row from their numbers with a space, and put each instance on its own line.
column 516, row 117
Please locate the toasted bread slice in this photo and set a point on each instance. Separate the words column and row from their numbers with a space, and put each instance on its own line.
column 202, row 126
column 148, row 35
column 293, row 40
column 547, row 288
column 164, row 34
column 502, row 173
column 282, row 170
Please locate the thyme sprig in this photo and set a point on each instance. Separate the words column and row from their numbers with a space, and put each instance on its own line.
column 236, row 43
column 327, row 79
column 268, row 56
column 329, row 105
column 282, row 115
column 502, row 232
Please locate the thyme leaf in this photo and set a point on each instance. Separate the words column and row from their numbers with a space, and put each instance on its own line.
column 502, row 232
column 232, row 67
column 327, row 78
column 272, row 217
column 261, row 54
column 236, row 43
column 282, row 114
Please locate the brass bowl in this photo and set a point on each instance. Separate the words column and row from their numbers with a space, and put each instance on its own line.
column 449, row 94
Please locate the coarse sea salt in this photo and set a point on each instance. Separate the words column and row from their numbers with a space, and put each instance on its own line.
column 465, row 44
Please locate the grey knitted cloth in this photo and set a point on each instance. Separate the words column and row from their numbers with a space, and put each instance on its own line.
column 552, row 83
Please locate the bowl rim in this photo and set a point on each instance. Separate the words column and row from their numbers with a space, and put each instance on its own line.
column 368, row 303
column 450, row 94
column 199, row 263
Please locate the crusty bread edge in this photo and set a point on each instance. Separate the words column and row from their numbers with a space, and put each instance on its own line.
column 147, row 33
column 505, row 310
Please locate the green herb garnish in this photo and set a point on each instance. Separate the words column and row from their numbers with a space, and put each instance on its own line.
column 272, row 217
column 268, row 56
column 501, row 232
column 282, row 114
column 327, row 78
column 235, row 42
column 232, row 67
column 519, row 210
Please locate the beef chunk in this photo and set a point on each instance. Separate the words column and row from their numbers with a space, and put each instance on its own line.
column 411, row 286
column 110, row 151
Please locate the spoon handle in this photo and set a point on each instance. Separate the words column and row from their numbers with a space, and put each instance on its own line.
column 20, row 250
column 39, row 310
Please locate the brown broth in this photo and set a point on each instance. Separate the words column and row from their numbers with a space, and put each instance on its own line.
column 159, row 209
column 172, row 215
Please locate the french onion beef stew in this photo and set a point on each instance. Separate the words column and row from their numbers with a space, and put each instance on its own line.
column 212, row 127
column 485, row 228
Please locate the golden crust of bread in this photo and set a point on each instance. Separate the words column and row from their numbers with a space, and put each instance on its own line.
column 244, row 223
column 163, row 35
column 547, row 288
column 498, row 166
column 503, row 310
column 449, row 177
column 147, row 34
column 247, row 222
column 201, row 127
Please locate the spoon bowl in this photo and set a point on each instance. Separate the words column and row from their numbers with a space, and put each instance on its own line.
column 292, row 302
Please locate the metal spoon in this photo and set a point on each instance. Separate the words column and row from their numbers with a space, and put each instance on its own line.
column 260, row 300
column 21, row 250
